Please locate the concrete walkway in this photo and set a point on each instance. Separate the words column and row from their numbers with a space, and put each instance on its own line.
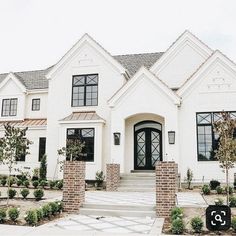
column 190, row 199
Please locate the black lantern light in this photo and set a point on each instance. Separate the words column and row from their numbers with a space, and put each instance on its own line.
column 171, row 137
column 116, row 138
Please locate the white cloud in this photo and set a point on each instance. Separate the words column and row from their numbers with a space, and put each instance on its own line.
column 36, row 33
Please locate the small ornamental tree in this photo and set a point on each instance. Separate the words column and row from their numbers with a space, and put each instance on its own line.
column 73, row 150
column 226, row 152
column 13, row 145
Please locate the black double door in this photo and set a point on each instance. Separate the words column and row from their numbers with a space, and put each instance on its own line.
column 147, row 148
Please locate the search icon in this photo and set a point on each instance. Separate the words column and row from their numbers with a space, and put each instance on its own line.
column 218, row 218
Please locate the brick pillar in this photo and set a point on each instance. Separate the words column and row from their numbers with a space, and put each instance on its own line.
column 73, row 185
column 166, row 183
column 112, row 177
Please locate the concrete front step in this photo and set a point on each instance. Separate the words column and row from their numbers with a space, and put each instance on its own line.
column 140, row 185
column 140, row 174
column 134, row 178
column 118, row 207
column 107, row 212
column 135, row 189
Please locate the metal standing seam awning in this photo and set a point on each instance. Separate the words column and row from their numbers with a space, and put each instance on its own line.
column 31, row 123
column 85, row 116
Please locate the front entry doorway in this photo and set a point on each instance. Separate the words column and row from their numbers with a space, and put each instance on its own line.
column 147, row 145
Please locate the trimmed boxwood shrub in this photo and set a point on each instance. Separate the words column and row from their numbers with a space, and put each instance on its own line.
column 3, row 182
column 176, row 213
column 177, row 226
column 232, row 201
column 233, row 223
column 219, row 201
column 59, row 206
column 59, row 184
column 47, row 211
column 13, row 213
column 11, row 193
column 31, row 217
column 38, row 194
column 35, row 183
column 39, row 213
column 11, row 180
column 24, row 192
column 231, row 189
column 196, row 224
column 19, row 182
column 214, row 184
column 43, row 183
column 52, row 184
column 219, row 190
column 206, row 189
column 3, row 215
column 54, row 207
column 26, row 183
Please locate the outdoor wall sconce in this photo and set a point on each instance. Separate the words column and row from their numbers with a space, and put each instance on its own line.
column 171, row 137
column 116, row 138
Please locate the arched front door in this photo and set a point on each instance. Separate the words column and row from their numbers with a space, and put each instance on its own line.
column 147, row 145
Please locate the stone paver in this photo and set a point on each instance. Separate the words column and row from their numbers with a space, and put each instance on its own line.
column 187, row 199
column 109, row 224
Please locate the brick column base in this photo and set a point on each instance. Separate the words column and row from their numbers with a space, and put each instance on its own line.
column 166, row 183
column 112, row 177
column 73, row 185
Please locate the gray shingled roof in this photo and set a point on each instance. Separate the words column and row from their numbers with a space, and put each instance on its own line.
column 132, row 62
column 31, row 79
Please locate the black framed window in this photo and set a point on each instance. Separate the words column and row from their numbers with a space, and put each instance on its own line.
column 42, row 147
column 9, row 107
column 207, row 139
column 86, row 136
column 36, row 104
column 85, row 90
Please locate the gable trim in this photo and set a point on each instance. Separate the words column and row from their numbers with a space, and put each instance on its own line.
column 128, row 85
column 86, row 38
column 12, row 76
column 215, row 57
column 186, row 38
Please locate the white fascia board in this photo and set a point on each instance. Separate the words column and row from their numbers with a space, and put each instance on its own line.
column 82, row 122
column 35, row 91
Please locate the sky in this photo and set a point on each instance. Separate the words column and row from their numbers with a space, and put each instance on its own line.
column 35, row 34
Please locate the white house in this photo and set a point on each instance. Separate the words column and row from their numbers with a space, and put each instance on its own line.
column 126, row 107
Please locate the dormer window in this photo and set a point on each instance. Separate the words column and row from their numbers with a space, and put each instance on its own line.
column 9, row 107
column 85, row 90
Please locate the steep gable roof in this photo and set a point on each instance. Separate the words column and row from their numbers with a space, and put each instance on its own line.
column 133, row 62
column 31, row 79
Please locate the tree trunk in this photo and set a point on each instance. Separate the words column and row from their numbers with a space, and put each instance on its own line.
column 227, row 185
column 8, row 185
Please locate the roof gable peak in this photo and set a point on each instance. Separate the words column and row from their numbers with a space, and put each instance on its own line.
column 15, row 78
column 186, row 38
column 86, row 38
column 216, row 57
